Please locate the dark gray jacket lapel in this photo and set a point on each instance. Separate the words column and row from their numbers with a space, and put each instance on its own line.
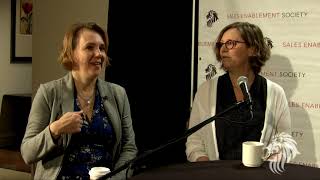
column 110, row 105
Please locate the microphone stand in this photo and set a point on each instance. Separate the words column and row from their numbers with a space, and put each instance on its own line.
column 175, row 140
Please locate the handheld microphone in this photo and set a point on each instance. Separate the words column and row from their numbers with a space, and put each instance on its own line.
column 243, row 83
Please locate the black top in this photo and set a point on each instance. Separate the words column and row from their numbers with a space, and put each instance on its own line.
column 236, row 127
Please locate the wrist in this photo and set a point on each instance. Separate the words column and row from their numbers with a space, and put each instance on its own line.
column 54, row 130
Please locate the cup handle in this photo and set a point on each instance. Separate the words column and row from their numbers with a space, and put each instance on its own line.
column 266, row 153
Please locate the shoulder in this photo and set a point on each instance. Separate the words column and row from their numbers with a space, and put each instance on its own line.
column 112, row 91
column 55, row 88
column 208, row 85
column 52, row 86
column 49, row 91
column 207, row 91
column 112, row 86
column 273, row 86
column 274, row 90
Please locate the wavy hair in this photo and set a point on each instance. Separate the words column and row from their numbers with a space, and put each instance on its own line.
column 254, row 38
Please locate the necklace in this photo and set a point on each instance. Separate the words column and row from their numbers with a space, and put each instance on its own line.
column 87, row 100
column 84, row 115
column 86, row 107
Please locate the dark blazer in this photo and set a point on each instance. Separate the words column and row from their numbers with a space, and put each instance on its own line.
column 55, row 98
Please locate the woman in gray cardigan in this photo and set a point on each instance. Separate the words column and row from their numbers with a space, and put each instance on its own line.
column 79, row 121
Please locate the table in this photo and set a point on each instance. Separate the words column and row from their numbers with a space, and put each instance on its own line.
column 10, row 159
column 8, row 174
column 227, row 169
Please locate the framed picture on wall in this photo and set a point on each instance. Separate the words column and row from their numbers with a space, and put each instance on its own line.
column 21, row 31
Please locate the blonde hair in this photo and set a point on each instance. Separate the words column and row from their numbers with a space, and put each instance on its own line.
column 71, row 39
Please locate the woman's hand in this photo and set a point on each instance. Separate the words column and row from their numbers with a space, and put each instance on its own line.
column 202, row 158
column 70, row 122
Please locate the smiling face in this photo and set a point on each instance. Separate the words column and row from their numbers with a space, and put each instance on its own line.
column 89, row 54
column 237, row 58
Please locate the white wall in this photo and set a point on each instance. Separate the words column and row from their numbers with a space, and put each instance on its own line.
column 51, row 20
column 14, row 78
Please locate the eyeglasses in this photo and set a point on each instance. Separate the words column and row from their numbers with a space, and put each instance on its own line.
column 228, row 44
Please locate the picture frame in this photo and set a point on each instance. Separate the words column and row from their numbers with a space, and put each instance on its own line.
column 21, row 43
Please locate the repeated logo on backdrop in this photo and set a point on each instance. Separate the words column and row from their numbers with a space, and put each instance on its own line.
column 301, row 44
column 284, row 74
column 294, row 61
column 211, row 17
column 268, row 15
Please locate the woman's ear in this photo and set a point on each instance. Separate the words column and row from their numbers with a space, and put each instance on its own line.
column 252, row 51
column 75, row 64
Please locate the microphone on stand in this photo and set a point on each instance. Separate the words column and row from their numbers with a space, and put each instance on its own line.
column 132, row 162
column 243, row 83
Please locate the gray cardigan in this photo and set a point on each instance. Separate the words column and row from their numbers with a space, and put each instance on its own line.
column 55, row 98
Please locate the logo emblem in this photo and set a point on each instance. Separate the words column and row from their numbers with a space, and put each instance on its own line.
column 212, row 17
column 211, row 70
column 281, row 150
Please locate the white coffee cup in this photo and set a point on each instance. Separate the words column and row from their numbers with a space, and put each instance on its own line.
column 97, row 172
column 252, row 153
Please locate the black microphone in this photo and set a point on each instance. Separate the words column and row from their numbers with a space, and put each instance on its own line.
column 131, row 163
column 243, row 83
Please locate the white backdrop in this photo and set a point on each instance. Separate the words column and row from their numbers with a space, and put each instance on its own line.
column 294, row 28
